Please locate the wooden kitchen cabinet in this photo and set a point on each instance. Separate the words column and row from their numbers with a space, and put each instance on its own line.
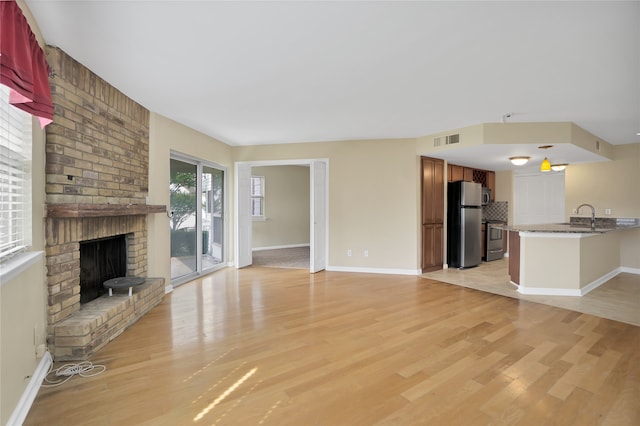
column 432, row 203
column 468, row 174
column 486, row 178
column 432, row 190
column 484, row 241
column 456, row 173
column 491, row 183
column 432, row 247
column 514, row 257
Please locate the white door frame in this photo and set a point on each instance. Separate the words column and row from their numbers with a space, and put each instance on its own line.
column 318, row 220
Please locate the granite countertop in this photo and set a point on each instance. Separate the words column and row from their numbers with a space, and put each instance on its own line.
column 578, row 225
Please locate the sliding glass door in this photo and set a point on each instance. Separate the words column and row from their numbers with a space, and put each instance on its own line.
column 197, row 226
column 212, row 216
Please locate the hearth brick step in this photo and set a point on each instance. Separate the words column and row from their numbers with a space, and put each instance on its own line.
column 101, row 320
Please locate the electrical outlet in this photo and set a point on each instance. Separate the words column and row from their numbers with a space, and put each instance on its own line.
column 574, row 211
column 607, row 211
column 366, row 253
column 349, row 253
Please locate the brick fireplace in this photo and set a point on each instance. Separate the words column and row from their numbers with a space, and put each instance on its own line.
column 97, row 167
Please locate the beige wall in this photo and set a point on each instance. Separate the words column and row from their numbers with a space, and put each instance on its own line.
column 22, row 320
column 600, row 255
column 286, row 207
column 560, row 257
column 566, row 261
column 23, row 298
column 527, row 133
column 166, row 135
column 373, row 187
column 607, row 184
column 610, row 185
column 630, row 249
column 469, row 136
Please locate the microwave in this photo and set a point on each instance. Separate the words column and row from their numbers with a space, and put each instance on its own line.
column 486, row 196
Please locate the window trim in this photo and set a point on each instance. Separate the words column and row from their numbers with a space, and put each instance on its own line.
column 16, row 265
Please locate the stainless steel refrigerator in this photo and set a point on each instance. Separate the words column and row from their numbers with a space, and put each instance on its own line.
column 464, row 224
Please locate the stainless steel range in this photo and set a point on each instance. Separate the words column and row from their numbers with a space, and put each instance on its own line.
column 494, row 246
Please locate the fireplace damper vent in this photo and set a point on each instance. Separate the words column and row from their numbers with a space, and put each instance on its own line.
column 101, row 260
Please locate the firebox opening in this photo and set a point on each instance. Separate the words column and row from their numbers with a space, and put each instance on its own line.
column 101, row 260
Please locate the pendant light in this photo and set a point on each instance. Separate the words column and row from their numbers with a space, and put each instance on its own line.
column 545, row 166
column 558, row 167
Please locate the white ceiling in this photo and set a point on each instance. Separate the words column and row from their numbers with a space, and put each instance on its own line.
column 265, row 72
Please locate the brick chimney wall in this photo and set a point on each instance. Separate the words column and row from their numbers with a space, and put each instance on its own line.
column 97, row 152
column 98, row 144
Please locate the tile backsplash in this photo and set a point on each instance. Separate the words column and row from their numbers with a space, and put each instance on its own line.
column 498, row 210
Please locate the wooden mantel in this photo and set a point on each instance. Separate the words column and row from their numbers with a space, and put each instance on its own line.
column 102, row 210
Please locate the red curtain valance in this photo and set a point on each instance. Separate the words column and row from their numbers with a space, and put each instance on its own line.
column 23, row 67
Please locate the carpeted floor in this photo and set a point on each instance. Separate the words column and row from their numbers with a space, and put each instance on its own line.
column 294, row 257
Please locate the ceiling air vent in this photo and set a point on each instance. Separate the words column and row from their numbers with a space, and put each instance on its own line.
column 446, row 140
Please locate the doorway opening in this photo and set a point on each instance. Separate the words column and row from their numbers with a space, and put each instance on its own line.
column 316, row 218
column 280, row 212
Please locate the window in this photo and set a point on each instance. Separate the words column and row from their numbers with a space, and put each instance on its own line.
column 257, row 197
column 15, row 178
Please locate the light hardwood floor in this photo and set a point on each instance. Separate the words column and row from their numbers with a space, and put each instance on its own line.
column 268, row 346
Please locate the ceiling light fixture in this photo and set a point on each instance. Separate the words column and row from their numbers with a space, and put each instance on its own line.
column 545, row 166
column 559, row 167
column 519, row 161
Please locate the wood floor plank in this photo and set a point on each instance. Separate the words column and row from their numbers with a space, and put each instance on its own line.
column 269, row 346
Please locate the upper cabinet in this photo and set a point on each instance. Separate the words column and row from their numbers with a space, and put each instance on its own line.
column 455, row 172
column 486, row 178
column 491, row 184
column 432, row 190
column 469, row 175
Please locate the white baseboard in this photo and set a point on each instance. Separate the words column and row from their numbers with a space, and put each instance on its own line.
column 374, row 270
column 628, row 270
column 598, row 282
column 29, row 394
column 537, row 291
column 541, row 291
column 280, row 247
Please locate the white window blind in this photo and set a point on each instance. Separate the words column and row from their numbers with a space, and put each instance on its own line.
column 257, row 196
column 15, row 177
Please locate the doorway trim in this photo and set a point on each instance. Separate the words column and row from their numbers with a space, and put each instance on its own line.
column 318, row 217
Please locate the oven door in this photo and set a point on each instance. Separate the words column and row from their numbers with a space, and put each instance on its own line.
column 495, row 249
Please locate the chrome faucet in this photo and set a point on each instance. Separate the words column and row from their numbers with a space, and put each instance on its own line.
column 593, row 213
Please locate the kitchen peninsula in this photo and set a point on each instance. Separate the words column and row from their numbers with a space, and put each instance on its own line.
column 568, row 259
